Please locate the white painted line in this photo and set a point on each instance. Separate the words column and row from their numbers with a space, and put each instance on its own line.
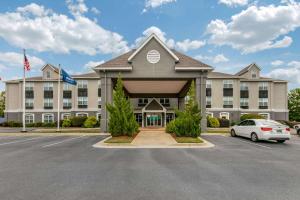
column 18, row 141
column 66, row 140
column 252, row 143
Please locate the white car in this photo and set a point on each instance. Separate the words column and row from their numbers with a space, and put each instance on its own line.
column 261, row 129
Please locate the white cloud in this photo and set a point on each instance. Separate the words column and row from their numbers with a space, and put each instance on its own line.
column 77, row 8
column 277, row 62
column 188, row 44
column 95, row 11
column 234, row 3
column 28, row 28
column 92, row 64
column 13, row 59
column 184, row 45
column 220, row 58
column 290, row 73
column 257, row 28
column 156, row 3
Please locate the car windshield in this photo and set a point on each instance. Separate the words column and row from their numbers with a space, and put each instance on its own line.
column 269, row 123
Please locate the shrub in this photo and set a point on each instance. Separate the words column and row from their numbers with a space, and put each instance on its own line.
column 38, row 124
column 224, row 123
column 187, row 125
column 90, row 122
column 170, row 127
column 213, row 122
column 78, row 121
column 251, row 116
column 49, row 125
column 66, row 123
column 14, row 124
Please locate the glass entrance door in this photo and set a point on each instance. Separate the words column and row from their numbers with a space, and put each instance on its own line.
column 154, row 120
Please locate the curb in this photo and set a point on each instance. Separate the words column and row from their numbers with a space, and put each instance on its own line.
column 103, row 145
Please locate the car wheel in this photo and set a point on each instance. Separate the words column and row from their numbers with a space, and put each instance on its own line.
column 280, row 141
column 254, row 137
column 232, row 133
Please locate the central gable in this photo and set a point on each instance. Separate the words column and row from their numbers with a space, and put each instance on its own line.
column 153, row 58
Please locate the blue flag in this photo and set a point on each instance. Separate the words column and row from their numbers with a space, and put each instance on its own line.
column 67, row 78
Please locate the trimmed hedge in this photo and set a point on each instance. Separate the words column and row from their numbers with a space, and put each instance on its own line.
column 67, row 123
column 224, row 123
column 78, row 121
column 251, row 116
column 213, row 122
column 90, row 122
column 170, row 127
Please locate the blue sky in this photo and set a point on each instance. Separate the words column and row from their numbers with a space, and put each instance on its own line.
column 78, row 34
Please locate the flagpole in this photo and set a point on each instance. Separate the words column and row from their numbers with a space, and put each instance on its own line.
column 58, row 100
column 24, row 87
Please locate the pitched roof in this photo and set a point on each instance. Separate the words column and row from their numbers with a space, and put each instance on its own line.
column 122, row 61
column 246, row 69
column 56, row 69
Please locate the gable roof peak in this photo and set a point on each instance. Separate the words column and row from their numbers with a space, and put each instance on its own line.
column 50, row 65
column 247, row 68
column 146, row 41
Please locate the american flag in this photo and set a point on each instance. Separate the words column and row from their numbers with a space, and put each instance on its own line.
column 26, row 63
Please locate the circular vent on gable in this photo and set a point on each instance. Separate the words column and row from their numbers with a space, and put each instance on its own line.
column 153, row 56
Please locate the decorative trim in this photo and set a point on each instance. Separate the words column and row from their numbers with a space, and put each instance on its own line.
column 192, row 68
column 153, row 35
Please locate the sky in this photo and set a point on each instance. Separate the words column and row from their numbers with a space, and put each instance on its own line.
column 80, row 34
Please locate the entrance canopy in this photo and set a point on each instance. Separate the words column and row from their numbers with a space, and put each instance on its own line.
column 157, row 86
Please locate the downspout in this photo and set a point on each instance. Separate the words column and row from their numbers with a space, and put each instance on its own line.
column 105, row 100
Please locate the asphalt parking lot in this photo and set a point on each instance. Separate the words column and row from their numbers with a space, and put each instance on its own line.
column 68, row 167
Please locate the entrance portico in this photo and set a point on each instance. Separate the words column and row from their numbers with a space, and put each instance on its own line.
column 156, row 79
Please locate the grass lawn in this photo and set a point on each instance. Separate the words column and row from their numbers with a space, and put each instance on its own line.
column 120, row 139
column 188, row 140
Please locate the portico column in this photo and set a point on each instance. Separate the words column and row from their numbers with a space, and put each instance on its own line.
column 200, row 84
column 106, row 97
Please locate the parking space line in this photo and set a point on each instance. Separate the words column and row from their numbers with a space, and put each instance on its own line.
column 66, row 140
column 18, row 141
column 255, row 144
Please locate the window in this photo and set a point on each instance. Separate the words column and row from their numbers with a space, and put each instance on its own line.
column 265, row 115
column 139, row 118
column 29, row 103
column 244, row 103
column 48, row 74
column 82, row 102
column 263, row 86
column 82, row 83
column 48, row 118
column 227, row 102
column 67, row 103
column 99, row 102
column 142, row 101
column 165, row 102
column 244, row 86
column 253, row 74
column 29, row 118
column 263, row 103
column 98, row 116
column 82, row 114
column 208, row 83
column 48, row 86
column 224, row 115
column 228, row 84
column 29, row 86
column 48, row 103
column 67, row 86
column 169, row 117
column 251, row 123
column 209, row 114
column 66, row 116
column 244, row 123
column 208, row 102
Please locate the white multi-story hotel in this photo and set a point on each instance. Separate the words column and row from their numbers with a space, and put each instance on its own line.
column 156, row 79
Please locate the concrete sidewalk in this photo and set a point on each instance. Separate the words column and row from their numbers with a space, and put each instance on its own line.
column 153, row 137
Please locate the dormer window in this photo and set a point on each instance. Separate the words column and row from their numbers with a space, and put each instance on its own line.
column 48, row 74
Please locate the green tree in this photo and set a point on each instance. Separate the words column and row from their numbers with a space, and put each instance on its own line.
column 294, row 104
column 121, row 117
column 2, row 103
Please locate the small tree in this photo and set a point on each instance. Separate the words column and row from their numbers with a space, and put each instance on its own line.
column 121, row 119
column 294, row 104
column 2, row 103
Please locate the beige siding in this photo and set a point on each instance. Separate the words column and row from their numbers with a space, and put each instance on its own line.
column 13, row 92
column 280, row 98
